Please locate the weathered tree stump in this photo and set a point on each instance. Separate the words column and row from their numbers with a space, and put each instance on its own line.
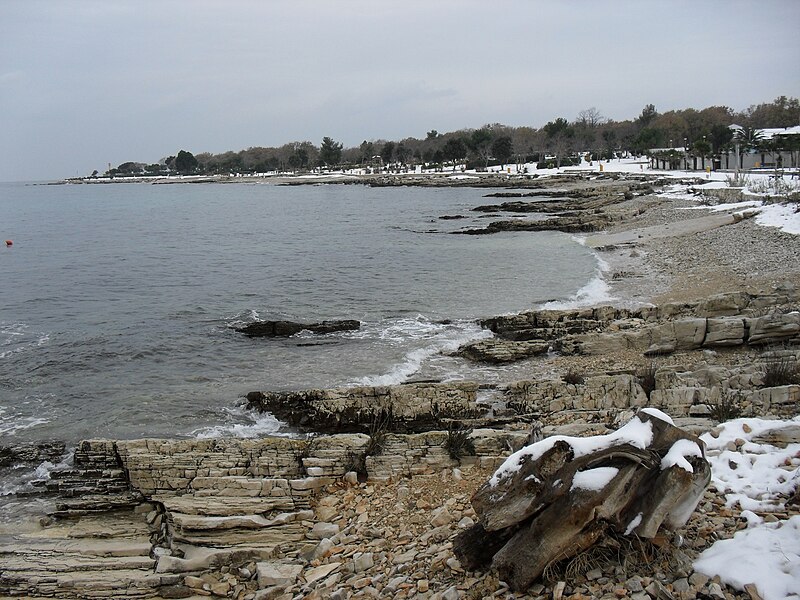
column 557, row 497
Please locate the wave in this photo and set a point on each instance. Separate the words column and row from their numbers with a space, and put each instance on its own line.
column 432, row 338
column 596, row 291
column 23, row 478
column 242, row 318
column 241, row 423
column 15, row 338
column 11, row 425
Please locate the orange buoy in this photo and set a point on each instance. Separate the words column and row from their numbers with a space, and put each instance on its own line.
column 9, row 243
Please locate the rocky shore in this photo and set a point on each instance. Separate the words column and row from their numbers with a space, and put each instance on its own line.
column 371, row 504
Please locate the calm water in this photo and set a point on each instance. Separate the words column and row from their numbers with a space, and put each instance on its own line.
column 117, row 301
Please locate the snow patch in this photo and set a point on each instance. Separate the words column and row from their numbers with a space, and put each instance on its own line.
column 635, row 432
column 783, row 216
column 754, row 476
column 633, row 524
column 767, row 555
column 593, row 480
column 654, row 412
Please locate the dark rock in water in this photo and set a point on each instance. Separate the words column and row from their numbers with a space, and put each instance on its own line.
column 33, row 452
column 288, row 328
column 567, row 224
column 451, row 217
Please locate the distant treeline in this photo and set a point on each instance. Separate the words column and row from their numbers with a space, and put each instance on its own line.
column 703, row 132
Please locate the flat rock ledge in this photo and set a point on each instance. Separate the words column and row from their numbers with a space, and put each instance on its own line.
column 720, row 321
column 402, row 408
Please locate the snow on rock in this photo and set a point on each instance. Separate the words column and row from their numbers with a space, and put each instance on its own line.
column 767, row 555
column 636, row 432
column 752, row 475
column 677, row 455
column 658, row 414
column 593, row 480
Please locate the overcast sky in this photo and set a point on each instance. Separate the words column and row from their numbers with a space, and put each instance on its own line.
column 88, row 83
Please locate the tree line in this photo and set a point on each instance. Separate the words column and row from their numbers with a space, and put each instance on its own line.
column 703, row 133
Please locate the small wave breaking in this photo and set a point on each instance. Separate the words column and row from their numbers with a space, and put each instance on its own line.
column 241, row 423
column 431, row 338
column 24, row 479
column 596, row 291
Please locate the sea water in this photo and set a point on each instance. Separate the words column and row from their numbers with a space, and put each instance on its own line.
column 118, row 302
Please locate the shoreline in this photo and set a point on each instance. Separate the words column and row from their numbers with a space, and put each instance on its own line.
column 689, row 262
column 199, row 516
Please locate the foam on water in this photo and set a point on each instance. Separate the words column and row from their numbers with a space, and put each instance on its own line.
column 15, row 337
column 25, row 477
column 436, row 338
column 596, row 291
column 11, row 424
column 241, row 423
column 243, row 318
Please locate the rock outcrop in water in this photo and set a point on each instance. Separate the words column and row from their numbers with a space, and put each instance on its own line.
column 289, row 328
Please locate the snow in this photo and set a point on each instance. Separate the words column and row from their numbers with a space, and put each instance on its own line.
column 677, row 455
column 765, row 555
column 784, row 216
column 593, row 480
column 633, row 524
column 727, row 206
column 654, row 412
column 635, row 432
column 758, row 185
column 755, row 477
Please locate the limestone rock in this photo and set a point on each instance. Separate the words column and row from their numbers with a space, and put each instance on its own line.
column 725, row 332
column 496, row 351
column 773, row 328
column 404, row 408
column 277, row 574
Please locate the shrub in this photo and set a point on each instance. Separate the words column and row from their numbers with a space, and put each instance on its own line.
column 727, row 407
column 378, row 428
column 781, row 371
column 574, row 377
column 458, row 442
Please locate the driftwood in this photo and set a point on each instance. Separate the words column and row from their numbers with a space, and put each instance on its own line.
column 557, row 497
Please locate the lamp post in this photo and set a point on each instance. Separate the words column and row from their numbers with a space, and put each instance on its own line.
column 737, row 137
column 685, row 154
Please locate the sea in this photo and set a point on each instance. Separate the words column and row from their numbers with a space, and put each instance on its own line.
column 118, row 302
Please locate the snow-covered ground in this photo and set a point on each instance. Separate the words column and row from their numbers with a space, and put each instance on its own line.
column 785, row 216
column 758, row 185
column 756, row 476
